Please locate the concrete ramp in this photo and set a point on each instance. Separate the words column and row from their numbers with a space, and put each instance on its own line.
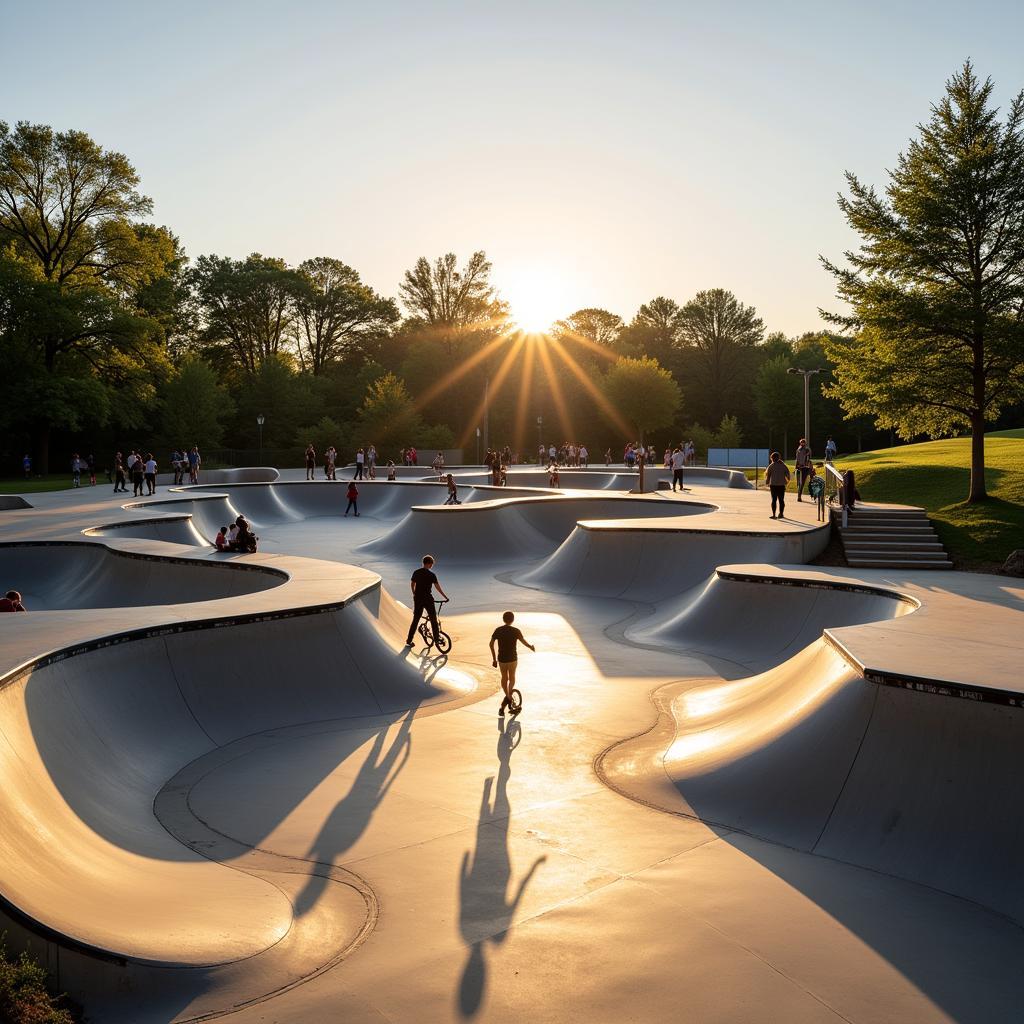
column 762, row 622
column 68, row 575
column 177, row 529
column 12, row 502
column 654, row 563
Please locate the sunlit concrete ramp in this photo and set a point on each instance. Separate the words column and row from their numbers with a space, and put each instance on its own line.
column 511, row 529
column 83, row 575
column 776, row 617
column 657, row 561
column 101, row 862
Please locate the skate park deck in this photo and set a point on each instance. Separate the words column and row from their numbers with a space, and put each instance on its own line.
column 256, row 793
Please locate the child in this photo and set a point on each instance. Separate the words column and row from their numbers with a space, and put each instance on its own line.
column 391, row 470
column 453, row 492
column 353, row 497
column 553, row 476
column 221, row 541
column 507, row 658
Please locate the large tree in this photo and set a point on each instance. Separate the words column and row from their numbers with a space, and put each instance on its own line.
column 642, row 392
column 247, row 306
column 936, row 288
column 718, row 336
column 76, row 262
column 597, row 326
column 336, row 314
column 655, row 331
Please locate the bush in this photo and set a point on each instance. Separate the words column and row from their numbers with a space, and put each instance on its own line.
column 24, row 997
column 702, row 438
column 728, row 434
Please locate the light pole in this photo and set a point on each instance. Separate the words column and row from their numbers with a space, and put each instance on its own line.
column 260, row 420
column 478, row 446
column 487, row 411
column 807, row 375
column 540, row 439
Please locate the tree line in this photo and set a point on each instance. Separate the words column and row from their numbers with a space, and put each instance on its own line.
column 109, row 332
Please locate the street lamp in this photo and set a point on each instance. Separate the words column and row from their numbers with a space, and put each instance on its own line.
column 540, row 438
column 478, row 446
column 260, row 420
column 807, row 375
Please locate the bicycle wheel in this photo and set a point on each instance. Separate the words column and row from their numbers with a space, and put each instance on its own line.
column 515, row 701
column 443, row 641
column 425, row 634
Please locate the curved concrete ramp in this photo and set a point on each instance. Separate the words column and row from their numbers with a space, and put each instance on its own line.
column 90, row 740
column 83, row 575
column 178, row 529
column 812, row 756
column 515, row 530
column 11, row 502
column 777, row 617
column 652, row 563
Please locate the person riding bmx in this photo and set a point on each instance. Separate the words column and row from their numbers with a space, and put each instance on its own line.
column 423, row 582
column 506, row 660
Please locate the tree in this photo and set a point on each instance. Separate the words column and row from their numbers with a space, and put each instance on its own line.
column 336, row 313
column 448, row 304
column 778, row 395
column 247, row 306
column 718, row 335
column 388, row 418
column 597, row 326
column 75, row 261
column 936, row 288
column 643, row 392
column 195, row 405
column 655, row 331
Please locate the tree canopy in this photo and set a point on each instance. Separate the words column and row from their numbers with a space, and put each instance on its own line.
column 643, row 392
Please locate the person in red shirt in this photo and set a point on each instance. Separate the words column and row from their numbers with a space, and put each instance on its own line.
column 222, row 539
column 12, row 602
column 353, row 498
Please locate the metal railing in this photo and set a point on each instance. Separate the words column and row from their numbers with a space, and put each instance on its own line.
column 834, row 489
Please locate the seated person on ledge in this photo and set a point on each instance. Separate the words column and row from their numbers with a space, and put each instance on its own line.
column 221, row 540
column 12, row 602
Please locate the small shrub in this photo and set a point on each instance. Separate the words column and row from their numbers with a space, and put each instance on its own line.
column 24, row 997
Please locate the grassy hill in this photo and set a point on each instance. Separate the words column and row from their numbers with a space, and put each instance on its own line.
column 935, row 475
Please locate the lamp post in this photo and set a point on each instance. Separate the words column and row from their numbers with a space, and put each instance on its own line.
column 478, row 446
column 260, row 420
column 487, row 410
column 540, row 439
column 807, row 375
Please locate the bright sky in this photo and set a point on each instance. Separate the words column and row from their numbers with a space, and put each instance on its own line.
column 601, row 153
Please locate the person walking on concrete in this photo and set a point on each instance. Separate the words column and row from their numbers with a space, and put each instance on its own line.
column 353, row 498
column 830, row 450
column 119, row 477
column 90, row 463
column 310, row 461
column 776, row 476
column 423, row 582
column 138, row 469
column 371, row 461
column 26, row 465
column 803, row 468
column 150, row 471
column 76, row 470
column 360, row 462
column 506, row 659
column 195, row 460
column 678, row 462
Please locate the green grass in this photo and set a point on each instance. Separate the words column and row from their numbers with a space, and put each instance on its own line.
column 54, row 482
column 936, row 475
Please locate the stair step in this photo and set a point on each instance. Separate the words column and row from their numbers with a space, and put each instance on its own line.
column 890, row 531
column 891, row 545
column 887, row 520
column 899, row 556
column 891, row 513
column 893, row 563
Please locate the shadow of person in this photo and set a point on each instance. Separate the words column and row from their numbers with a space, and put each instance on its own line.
column 353, row 812
column 486, row 908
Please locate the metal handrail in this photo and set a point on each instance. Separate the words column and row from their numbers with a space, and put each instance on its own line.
column 833, row 482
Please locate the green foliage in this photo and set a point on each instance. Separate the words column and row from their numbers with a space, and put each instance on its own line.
column 778, row 395
column 643, row 392
column 435, row 438
column 24, row 997
column 728, row 434
column 322, row 435
column 936, row 287
column 388, row 418
column 702, row 439
column 282, row 396
column 195, row 406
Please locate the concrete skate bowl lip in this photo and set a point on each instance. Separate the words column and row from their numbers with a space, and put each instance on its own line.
column 45, row 677
column 12, row 502
column 509, row 529
column 173, row 529
column 80, row 575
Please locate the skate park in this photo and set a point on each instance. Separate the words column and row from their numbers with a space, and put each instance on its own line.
column 781, row 790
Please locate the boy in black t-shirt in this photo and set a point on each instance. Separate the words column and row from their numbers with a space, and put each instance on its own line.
column 507, row 658
column 423, row 582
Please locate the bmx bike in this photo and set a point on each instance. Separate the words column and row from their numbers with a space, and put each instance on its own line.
column 443, row 642
column 515, row 701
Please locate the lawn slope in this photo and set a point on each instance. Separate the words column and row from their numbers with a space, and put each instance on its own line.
column 936, row 475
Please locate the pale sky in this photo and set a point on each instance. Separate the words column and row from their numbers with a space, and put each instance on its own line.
column 601, row 153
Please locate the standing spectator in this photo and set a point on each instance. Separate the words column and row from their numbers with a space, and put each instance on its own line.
column 830, row 450
column 414, row 457
column 195, row 460
column 150, row 470
column 137, row 477
column 584, row 456
column 90, row 463
column 371, row 461
column 76, row 470
column 130, row 463
column 353, row 498
column 119, row 478
column 176, row 465
column 776, row 476
column 803, row 468
column 26, row 465
column 310, row 461
column 541, row 455
column 552, row 454
column 678, row 461
column 438, row 466
column 607, row 457
column 360, row 462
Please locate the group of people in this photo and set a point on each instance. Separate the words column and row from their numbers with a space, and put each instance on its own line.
column 569, row 453
column 497, row 463
column 140, row 469
column 11, row 602
column 186, row 461
column 777, row 476
column 365, row 463
column 237, row 537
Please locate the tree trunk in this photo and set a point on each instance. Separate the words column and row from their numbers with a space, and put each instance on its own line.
column 41, row 449
column 978, row 492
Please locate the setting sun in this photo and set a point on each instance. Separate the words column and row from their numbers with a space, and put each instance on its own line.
column 537, row 297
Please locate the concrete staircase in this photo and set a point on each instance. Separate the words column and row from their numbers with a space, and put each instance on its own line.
column 891, row 539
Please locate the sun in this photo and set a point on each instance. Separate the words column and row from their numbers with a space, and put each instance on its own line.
column 537, row 298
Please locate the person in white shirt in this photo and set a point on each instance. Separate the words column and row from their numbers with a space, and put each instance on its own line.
column 678, row 462
column 584, row 456
column 360, row 460
column 150, row 473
